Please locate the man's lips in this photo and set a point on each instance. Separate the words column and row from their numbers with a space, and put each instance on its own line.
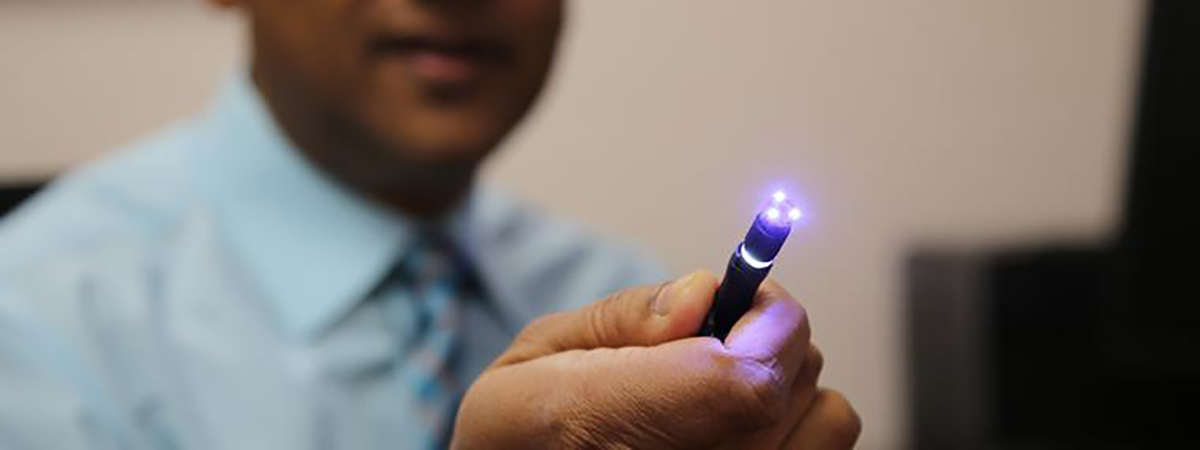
column 441, row 60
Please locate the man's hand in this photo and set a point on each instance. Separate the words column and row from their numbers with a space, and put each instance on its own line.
column 626, row 372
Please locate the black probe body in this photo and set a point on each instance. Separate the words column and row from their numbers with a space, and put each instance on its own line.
column 748, row 267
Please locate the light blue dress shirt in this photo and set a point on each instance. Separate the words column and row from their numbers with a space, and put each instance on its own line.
column 204, row 289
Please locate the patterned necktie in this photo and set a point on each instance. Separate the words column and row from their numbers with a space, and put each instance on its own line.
column 426, row 296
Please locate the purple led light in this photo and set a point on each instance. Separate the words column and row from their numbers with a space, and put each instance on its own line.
column 794, row 214
column 781, row 211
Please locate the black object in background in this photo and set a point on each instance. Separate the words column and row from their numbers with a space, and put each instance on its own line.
column 1080, row 346
column 1161, row 234
column 12, row 194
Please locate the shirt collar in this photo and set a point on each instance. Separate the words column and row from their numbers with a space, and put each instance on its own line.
column 312, row 246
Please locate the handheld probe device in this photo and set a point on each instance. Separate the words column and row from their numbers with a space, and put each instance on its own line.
column 750, row 264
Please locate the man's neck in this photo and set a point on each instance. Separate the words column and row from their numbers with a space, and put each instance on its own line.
column 324, row 140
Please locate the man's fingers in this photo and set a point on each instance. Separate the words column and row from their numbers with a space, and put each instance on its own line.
column 831, row 424
column 814, row 363
column 804, row 390
column 628, row 372
column 774, row 332
column 688, row 393
column 640, row 316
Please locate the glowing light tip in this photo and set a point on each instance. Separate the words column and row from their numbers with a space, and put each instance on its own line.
column 773, row 213
column 779, row 196
column 795, row 214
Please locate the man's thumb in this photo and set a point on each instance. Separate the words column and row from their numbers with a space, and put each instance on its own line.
column 636, row 317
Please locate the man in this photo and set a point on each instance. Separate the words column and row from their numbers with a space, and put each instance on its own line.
column 309, row 264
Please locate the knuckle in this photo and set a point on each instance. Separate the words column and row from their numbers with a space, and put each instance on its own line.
column 531, row 341
column 816, row 359
column 619, row 317
column 600, row 324
column 538, row 327
column 757, row 390
column 803, row 324
column 845, row 424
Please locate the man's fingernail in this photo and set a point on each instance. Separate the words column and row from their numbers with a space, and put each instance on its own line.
column 674, row 290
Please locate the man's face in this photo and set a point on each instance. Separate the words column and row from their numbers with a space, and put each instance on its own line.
column 422, row 83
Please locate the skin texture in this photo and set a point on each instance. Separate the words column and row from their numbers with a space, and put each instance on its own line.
column 358, row 107
column 624, row 372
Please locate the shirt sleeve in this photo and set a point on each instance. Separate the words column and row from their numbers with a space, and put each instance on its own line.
column 51, row 398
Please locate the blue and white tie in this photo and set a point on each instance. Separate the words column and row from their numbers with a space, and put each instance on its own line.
column 431, row 284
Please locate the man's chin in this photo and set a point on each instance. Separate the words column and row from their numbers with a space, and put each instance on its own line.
column 441, row 155
column 438, row 143
column 439, row 159
column 423, row 145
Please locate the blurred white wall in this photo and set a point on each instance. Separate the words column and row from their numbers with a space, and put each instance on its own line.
column 80, row 77
column 897, row 121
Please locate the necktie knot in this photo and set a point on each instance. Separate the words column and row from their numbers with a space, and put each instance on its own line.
column 430, row 262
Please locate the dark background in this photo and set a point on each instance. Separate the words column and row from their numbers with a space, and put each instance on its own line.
column 1070, row 345
column 13, row 193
